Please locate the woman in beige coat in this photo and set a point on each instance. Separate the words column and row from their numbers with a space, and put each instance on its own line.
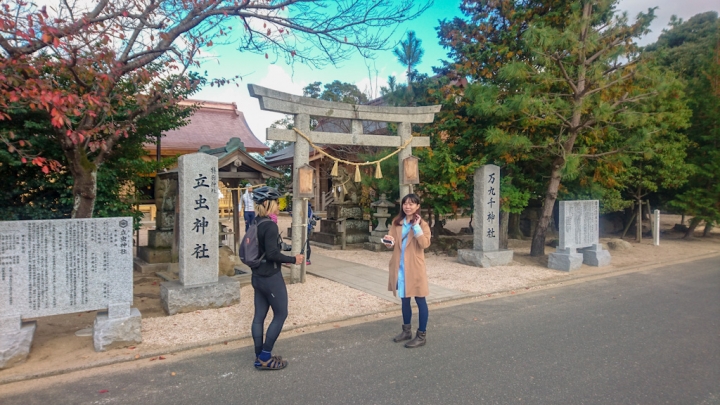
column 408, row 277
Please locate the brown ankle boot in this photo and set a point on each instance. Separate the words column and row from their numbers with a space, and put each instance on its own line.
column 406, row 334
column 418, row 341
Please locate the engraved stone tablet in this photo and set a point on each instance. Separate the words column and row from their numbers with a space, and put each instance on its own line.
column 486, row 239
column 50, row 267
column 198, row 242
column 579, row 229
column 487, row 208
column 579, row 224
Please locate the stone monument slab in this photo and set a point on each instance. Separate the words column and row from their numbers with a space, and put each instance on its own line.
column 579, row 229
column 579, row 224
column 52, row 267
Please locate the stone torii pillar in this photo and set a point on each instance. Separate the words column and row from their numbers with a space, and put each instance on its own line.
column 304, row 107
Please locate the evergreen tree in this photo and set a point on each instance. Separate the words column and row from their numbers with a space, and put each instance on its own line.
column 409, row 54
column 692, row 50
column 584, row 93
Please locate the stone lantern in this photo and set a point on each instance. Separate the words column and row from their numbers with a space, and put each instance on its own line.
column 381, row 230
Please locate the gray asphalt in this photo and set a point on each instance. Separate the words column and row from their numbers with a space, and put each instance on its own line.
column 650, row 337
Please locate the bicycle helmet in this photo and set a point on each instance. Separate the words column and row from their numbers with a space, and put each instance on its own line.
column 262, row 194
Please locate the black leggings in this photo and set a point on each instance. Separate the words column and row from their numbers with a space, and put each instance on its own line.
column 307, row 248
column 269, row 292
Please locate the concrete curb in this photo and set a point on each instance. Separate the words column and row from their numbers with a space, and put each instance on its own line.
column 357, row 319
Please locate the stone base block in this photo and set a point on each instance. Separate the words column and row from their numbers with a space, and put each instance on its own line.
column 109, row 333
column 598, row 257
column 15, row 346
column 160, row 239
column 481, row 258
column 375, row 247
column 176, row 298
column 565, row 260
column 376, row 237
column 334, row 239
column 350, row 211
column 143, row 267
column 154, row 255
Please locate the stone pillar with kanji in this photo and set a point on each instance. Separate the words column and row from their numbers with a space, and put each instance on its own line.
column 199, row 286
column 486, row 241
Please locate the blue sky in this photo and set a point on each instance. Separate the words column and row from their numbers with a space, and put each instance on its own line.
column 370, row 75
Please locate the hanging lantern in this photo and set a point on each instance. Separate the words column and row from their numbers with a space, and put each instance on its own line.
column 411, row 173
column 305, row 181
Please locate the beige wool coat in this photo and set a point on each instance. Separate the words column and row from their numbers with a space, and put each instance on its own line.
column 416, row 281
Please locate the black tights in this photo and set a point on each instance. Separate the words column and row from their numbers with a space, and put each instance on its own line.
column 269, row 292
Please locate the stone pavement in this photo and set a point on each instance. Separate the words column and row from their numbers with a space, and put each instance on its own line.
column 369, row 279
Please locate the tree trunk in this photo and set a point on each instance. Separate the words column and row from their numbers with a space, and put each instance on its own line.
column 708, row 228
column 638, row 222
column 84, row 174
column 690, row 233
column 503, row 230
column 514, row 227
column 629, row 224
column 84, row 193
column 437, row 226
column 538, row 243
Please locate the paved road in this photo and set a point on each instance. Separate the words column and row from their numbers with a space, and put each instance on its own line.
column 651, row 337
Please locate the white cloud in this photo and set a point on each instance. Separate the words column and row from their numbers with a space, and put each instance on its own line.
column 683, row 9
column 275, row 78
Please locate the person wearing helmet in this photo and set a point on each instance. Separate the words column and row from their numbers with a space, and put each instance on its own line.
column 247, row 205
column 267, row 280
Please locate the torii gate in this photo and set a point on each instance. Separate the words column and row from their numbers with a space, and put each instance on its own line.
column 304, row 107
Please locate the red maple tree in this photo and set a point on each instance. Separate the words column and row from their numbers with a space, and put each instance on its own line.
column 76, row 62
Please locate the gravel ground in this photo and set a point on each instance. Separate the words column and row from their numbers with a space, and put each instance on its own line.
column 320, row 300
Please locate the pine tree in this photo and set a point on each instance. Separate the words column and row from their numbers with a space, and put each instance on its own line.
column 409, row 54
column 584, row 93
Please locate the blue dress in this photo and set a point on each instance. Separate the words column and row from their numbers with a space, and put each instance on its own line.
column 401, row 271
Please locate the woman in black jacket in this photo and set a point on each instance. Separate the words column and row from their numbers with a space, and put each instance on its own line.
column 267, row 280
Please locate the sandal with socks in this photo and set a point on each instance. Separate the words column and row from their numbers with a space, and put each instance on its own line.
column 273, row 363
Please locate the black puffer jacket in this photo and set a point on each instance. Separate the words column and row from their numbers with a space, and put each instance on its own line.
column 269, row 244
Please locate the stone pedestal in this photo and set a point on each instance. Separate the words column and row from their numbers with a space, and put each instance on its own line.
column 356, row 231
column 156, row 256
column 595, row 256
column 176, row 298
column 374, row 242
column 350, row 211
column 15, row 340
column 160, row 239
column 481, row 258
column 565, row 260
column 117, row 331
